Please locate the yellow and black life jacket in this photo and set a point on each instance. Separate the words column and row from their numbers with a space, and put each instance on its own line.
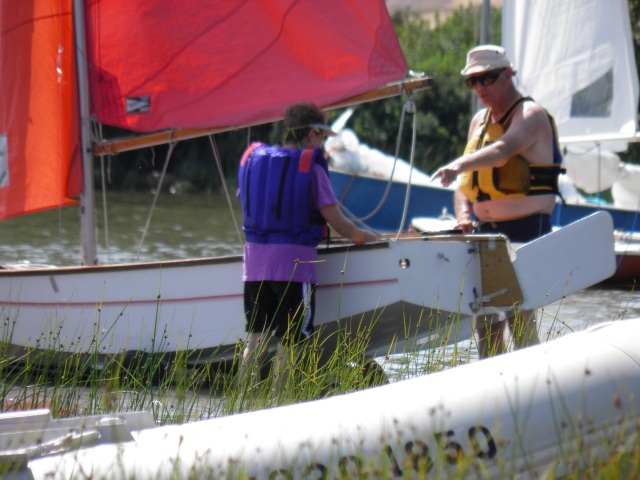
column 517, row 177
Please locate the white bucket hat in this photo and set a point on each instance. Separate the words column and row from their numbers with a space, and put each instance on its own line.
column 485, row 58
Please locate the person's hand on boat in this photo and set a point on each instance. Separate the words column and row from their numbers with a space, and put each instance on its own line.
column 334, row 217
column 462, row 209
column 360, row 237
column 366, row 237
column 466, row 226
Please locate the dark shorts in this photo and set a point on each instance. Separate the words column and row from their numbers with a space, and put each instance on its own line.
column 285, row 307
column 519, row 230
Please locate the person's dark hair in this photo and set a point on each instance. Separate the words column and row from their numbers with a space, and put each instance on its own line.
column 297, row 121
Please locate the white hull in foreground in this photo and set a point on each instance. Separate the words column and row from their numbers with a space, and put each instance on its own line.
column 545, row 409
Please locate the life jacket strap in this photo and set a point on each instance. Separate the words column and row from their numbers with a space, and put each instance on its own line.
column 305, row 160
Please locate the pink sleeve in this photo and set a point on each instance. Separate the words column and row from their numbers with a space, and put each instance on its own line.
column 321, row 190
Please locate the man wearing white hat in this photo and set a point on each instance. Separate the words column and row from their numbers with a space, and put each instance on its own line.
column 508, row 175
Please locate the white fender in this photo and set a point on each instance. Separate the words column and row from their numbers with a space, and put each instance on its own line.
column 545, row 408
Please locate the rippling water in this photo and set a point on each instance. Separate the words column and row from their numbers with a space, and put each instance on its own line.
column 202, row 225
column 181, row 226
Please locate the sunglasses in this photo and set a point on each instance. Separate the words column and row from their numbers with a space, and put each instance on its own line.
column 485, row 80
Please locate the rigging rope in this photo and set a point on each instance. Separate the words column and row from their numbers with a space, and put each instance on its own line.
column 408, row 108
column 224, row 186
column 172, row 144
column 104, row 206
column 97, row 138
column 104, row 192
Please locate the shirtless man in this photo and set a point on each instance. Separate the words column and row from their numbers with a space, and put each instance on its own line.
column 511, row 134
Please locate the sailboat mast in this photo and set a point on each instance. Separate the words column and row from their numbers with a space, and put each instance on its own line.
column 88, row 252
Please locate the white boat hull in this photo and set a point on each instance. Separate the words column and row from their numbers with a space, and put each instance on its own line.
column 548, row 409
column 402, row 289
column 198, row 304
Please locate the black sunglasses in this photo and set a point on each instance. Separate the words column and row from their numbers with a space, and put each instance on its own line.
column 485, row 80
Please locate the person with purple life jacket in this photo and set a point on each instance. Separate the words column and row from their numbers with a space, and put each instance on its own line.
column 287, row 203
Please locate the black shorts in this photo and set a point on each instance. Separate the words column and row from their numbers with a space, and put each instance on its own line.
column 519, row 230
column 285, row 307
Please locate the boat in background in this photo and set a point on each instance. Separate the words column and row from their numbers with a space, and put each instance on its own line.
column 586, row 76
column 549, row 410
column 627, row 258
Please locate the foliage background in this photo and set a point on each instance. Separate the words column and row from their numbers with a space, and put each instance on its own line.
column 436, row 46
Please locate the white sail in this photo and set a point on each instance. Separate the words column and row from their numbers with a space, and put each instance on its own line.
column 576, row 58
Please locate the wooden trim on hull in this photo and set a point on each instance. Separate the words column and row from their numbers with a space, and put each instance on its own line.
column 336, row 247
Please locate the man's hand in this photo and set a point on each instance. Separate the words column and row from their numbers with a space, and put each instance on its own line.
column 446, row 174
column 466, row 226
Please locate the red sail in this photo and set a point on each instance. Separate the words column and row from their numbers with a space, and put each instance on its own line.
column 39, row 129
column 164, row 64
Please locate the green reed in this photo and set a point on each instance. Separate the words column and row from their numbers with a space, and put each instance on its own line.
column 85, row 382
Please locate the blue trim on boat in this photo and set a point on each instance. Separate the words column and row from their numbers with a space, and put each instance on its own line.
column 361, row 195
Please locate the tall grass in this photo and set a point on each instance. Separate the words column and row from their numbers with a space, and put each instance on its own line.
column 81, row 383
column 77, row 379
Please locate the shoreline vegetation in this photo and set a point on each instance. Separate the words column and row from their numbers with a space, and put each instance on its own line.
column 85, row 383
column 174, row 384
